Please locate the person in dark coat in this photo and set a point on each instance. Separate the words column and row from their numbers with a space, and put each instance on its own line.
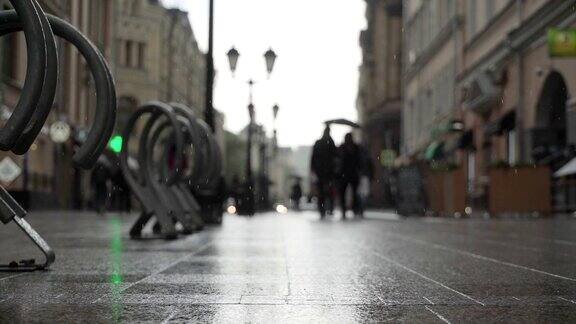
column 351, row 165
column 323, row 166
column 99, row 181
column 296, row 194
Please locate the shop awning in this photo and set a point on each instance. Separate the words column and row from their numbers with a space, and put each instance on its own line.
column 505, row 124
column 568, row 169
column 435, row 151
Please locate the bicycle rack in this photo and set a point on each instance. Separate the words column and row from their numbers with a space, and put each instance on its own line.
column 161, row 185
column 33, row 108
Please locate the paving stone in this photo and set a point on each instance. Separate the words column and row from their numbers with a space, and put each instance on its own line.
column 294, row 268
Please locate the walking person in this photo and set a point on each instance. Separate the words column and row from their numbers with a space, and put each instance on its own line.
column 323, row 166
column 349, row 174
column 99, row 181
column 296, row 195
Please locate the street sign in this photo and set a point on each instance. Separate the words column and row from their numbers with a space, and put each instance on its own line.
column 60, row 132
column 9, row 170
column 562, row 42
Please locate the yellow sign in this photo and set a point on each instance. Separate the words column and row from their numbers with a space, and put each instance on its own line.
column 387, row 158
column 562, row 42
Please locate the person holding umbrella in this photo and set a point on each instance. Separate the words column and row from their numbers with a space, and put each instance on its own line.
column 349, row 173
column 323, row 167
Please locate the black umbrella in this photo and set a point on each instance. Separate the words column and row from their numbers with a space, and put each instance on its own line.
column 342, row 121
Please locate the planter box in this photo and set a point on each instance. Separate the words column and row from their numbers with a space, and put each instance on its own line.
column 446, row 191
column 520, row 190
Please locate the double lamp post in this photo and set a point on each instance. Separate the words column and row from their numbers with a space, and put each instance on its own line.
column 249, row 204
column 233, row 56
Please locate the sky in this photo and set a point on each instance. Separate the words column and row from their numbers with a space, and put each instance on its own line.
column 316, row 74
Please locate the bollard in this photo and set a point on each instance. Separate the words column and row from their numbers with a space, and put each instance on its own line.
column 33, row 108
column 163, row 186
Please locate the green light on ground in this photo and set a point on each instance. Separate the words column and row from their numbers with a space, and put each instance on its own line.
column 116, row 278
column 115, row 144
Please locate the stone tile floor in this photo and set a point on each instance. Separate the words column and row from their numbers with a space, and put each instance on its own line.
column 295, row 268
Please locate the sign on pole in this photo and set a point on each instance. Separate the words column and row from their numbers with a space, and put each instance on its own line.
column 9, row 171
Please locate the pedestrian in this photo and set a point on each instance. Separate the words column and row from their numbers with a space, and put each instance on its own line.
column 99, row 180
column 296, row 194
column 120, row 192
column 349, row 173
column 366, row 177
column 323, row 167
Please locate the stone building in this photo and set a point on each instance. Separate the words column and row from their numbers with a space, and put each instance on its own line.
column 140, row 61
column 518, row 99
column 482, row 87
column 158, row 58
column 48, row 177
column 380, row 95
column 186, row 63
column 431, row 51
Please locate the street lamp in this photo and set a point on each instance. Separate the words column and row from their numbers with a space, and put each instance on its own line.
column 233, row 56
column 275, row 110
column 270, row 56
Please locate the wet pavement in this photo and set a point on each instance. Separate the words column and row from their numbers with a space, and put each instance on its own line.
column 295, row 268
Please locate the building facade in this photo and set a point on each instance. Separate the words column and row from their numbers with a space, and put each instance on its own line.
column 158, row 58
column 379, row 101
column 48, row 175
column 483, row 89
column 153, row 55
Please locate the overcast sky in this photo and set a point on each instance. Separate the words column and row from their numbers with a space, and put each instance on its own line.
column 316, row 75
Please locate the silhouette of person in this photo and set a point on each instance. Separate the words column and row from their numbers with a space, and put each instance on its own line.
column 99, row 180
column 349, row 173
column 296, row 194
column 323, row 166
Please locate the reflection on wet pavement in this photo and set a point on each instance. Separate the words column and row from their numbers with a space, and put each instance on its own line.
column 294, row 268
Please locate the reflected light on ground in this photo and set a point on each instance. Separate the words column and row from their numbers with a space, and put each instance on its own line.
column 281, row 209
column 231, row 210
column 116, row 278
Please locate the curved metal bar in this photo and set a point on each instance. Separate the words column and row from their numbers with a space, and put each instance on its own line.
column 35, row 73
column 139, row 183
column 105, row 115
column 168, row 193
column 182, row 190
column 26, row 139
column 215, row 170
column 200, row 162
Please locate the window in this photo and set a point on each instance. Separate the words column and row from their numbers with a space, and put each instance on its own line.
column 471, row 18
column 511, row 147
column 471, row 171
column 128, row 53
column 141, row 55
column 489, row 10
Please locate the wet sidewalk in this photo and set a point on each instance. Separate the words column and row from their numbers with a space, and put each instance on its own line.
column 294, row 268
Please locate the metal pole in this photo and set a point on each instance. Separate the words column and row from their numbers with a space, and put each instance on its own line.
column 209, row 110
column 249, row 153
